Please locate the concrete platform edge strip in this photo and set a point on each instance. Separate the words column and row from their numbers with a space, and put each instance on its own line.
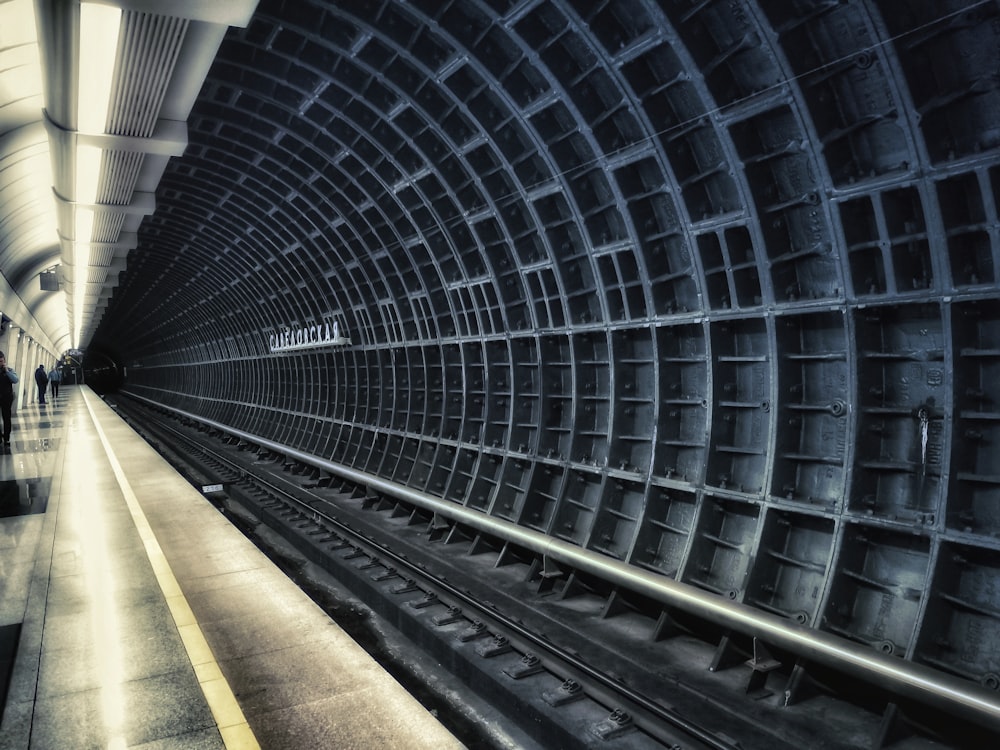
column 236, row 732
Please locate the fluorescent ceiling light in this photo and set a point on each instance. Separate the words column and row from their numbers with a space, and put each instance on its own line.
column 83, row 224
column 81, row 274
column 83, row 231
column 88, row 173
column 98, row 48
column 99, row 27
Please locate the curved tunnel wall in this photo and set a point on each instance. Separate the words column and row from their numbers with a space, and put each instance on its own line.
column 710, row 288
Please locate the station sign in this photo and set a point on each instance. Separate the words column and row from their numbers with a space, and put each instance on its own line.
column 316, row 336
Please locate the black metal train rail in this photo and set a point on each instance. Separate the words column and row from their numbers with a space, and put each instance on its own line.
column 552, row 693
column 568, row 659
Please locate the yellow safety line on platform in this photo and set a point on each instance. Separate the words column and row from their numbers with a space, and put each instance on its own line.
column 236, row 733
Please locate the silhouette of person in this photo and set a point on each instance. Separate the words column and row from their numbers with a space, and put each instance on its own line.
column 7, row 379
column 55, row 378
column 42, row 381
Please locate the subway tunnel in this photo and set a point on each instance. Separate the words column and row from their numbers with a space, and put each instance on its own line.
column 691, row 302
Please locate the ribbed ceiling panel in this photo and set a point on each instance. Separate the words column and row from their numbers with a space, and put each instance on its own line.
column 119, row 176
column 150, row 48
column 107, row 226
column 101, row 258
column 96, row 275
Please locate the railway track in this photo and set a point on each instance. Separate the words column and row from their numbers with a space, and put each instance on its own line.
column 565, row 660
column 578, row 704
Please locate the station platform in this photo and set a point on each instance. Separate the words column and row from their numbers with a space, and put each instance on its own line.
column 134, row 615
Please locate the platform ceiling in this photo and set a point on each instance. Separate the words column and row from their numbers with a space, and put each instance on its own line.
column 76, row 179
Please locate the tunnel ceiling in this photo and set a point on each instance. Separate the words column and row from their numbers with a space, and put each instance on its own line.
column 443, row 170
column 710, row 287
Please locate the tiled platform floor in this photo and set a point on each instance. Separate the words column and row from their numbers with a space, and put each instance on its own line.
column 133, row 615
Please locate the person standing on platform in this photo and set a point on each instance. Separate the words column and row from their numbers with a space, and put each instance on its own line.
column 55, row 378
column 42, row 381
column 7, row 379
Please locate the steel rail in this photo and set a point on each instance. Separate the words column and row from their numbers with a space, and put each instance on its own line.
column 530, row 641
column 905, row 679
